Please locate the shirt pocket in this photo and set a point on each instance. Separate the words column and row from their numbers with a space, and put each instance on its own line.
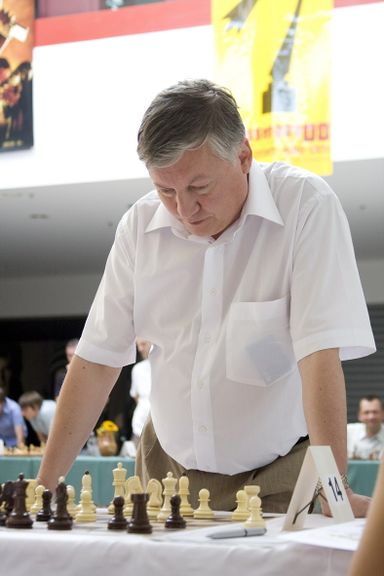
column 258, row 342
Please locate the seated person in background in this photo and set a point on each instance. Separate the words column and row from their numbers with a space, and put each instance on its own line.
column 70, row 348
column 141, row 389
column 366, row 437
column 368, row 560
column 12, row 425
column 38, row 412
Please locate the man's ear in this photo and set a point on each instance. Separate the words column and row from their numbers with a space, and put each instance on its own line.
column 245, row 156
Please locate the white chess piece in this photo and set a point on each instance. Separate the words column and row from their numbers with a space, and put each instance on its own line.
column 169, row 484
column 86, row 486
column 132, row 486
column 30, row 493
column 185, row 507
column 86, row 512
column 154, row 489
column 251, row 490
column 255, row 519
column 241, row 512
column 203, row 512
column 119, row 475
column 71, row 505
column 38, row 503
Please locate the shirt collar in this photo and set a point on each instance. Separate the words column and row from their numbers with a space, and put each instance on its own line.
column 259, row 202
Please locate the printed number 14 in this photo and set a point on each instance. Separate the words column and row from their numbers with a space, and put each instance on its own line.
column 335, row 488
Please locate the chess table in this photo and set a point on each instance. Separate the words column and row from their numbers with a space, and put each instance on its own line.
column 94, row 550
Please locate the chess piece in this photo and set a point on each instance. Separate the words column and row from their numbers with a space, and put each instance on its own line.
column 45, row 513
column 132, row 486
column 251, row 490
column 203, row 511
column 185, row 507
column 8, row 496
column 255, row 519
column 169, row 484
column 30, row 493
column 139, row 523
column 119, row 475
column 3, row 515
column 71, row 505
column 175, row 519
column 86, row 512
column 86, row 485
column 154, row 489
column 60, row 520
column 38, row 503
column 241, row 512
column 118, row 521
column 19, row 517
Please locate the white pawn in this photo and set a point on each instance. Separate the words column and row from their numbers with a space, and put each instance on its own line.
column 154, row 489
column 132, row 486
column 203, row 512
column 38, row 503
column 241, row 512
column 169, row 484
column 251, row 490
column 86, row 486
column 86, row 512
column 255, row 519
column 71, row 505
column 119, row 475
column 185, row 507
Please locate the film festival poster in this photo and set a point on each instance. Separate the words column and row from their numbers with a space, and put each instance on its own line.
column 16, row 44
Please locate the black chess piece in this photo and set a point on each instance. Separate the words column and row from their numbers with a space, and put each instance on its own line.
column 175, row 519
column 8, row 496
column 45, row 513
column 139, row 523
column 3, row 515
column 19, row 517
column 61, row 520
column 118, row 521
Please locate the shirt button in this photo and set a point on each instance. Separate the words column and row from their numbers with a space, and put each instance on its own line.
column 201, row 384
column 207, row 339
column 213, row 291
column 203, row 429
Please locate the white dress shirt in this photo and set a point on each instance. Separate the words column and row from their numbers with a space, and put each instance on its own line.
column 230, row 318
column 362, row 446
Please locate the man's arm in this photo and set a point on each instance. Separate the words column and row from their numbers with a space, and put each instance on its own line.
column 19, row 433
column 83, row 396
column 325, row 409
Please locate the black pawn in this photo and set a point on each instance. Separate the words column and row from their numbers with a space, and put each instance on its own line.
column 175, row 519
column 139, row 523
column 45, row 513
column 19, row 517
column 118, row 521
column 61, row 520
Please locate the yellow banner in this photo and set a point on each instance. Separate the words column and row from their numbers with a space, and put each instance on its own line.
column 275, row 58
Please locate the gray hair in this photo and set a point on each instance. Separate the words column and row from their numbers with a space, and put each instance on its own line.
column 186, row 116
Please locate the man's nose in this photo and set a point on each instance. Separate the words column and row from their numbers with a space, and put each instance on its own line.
column 186, row 204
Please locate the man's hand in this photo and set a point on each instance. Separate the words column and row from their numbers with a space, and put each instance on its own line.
column 359, row 504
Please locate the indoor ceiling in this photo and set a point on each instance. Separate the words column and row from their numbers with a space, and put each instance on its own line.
column 68, row 229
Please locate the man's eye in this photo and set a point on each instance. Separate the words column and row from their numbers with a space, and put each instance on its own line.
column 166, row 192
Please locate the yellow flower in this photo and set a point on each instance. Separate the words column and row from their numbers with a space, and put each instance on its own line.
column 107, row 426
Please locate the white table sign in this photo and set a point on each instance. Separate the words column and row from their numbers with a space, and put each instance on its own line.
column 319, row 463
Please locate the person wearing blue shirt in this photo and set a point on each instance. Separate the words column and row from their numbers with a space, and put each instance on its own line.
column 12, row 425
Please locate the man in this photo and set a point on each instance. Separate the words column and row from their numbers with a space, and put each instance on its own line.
column 12, row 425
column 38, row 412
column 243, row 278
column 365, row 439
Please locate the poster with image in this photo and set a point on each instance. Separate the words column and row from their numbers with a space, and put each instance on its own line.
column 16, row 43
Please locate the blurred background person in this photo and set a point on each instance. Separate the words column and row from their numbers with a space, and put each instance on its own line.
column 365, row 438
column 141, row 389
column 12, row 426
column 59, row 376
column 38, row 412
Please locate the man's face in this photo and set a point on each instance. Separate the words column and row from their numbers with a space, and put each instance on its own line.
column 29, row 412
column 371, row 414
column 204, row 192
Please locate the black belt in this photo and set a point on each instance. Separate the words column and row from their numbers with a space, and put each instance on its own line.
column 302, row 439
